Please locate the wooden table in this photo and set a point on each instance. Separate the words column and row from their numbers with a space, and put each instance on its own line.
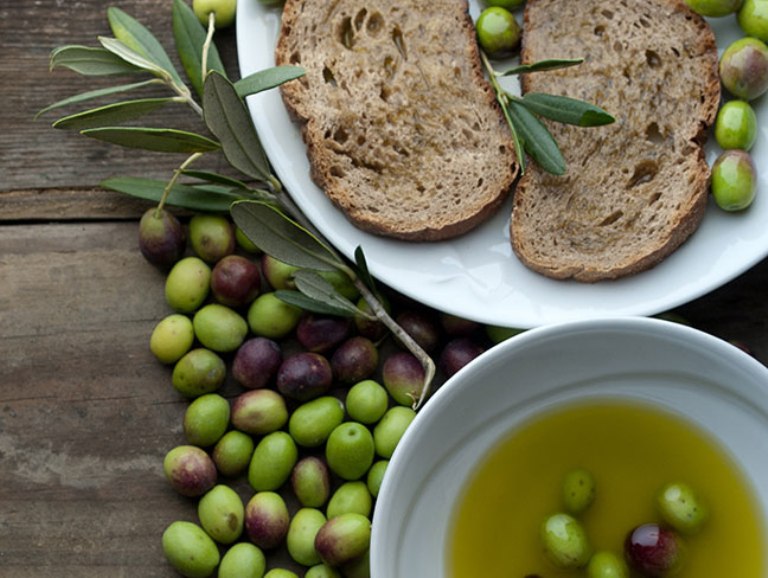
column 86, row 413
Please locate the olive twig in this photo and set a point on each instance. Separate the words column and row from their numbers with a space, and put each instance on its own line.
column 207, row 44
column 176, row 174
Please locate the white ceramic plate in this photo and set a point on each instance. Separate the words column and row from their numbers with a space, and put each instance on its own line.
column 476, row 275
column 702, row 379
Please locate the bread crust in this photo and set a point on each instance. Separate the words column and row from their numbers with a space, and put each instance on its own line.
column 636, row 190
column 404, row 137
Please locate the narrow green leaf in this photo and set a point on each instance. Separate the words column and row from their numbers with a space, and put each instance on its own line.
column 298, row 299
column 90, row 61
column 314, row 286
column 92, row 94
column 189, row 36
column 139, row 39
column 543, row 66
column 228, row 119
column 537, row 140
column 566, row 110
column 180, row 196
column 129, row 55
column 154, row 139
column 111, row 114
column 266, row 79
column 362, row 269
column 281, row 237
column 217, row 178
column 503, row 100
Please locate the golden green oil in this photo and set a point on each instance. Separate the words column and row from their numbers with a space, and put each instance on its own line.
column 631, row 450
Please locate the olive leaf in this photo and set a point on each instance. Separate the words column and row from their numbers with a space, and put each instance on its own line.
column 283, row 238
column 217, row 178
column 536, row 138
column 180, row 195
column 165, row 140
column 322, row 293
column 542, row 66
column 298, row 299
column 566, row 110
column 93, row 94
column 228, row 119
column 190, row 36
column 362, row 269
column 90, row 61
column 266, row 79
column 139, row 39
column 130, row 56
column 110, row 114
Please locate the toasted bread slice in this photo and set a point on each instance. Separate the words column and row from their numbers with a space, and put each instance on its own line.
column 634, row 190
column 402, row 129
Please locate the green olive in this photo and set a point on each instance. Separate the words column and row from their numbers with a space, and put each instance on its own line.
column 281, row 573
column 223, row 11
column 171, row 338
column 350, row 497
column 190, row 551
column 565, row 541
column 736, row 125
column 322, row 571
column 349, row 450
column 219, row 328
column 376, row 476
column 367, row 401
column 606, row 564
column 187, row 284
column 270, row 317
column 300, row 540
column 206, row 419
column 243, row 560
column 714, row 8
column 200, row 371
column 232, row 453
column 753, row 19
column 211, row 236
column 578, row 490
column 734, row 180
column 313, row 421
column 498, row 32
column 390, row 429
column 221, row 513
column 681, row 508
column 272, row 461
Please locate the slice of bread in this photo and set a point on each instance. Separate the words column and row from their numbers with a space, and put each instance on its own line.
column 402, row 129
column 634, row 190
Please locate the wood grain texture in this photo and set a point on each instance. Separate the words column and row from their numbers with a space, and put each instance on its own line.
column 86, row 412
column 34, row 156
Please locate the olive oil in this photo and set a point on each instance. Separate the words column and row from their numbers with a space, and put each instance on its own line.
column 632, row 451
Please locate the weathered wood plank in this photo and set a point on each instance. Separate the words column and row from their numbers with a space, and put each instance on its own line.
column 33, row 155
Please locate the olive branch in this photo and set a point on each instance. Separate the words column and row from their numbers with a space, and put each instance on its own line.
column 257, row 203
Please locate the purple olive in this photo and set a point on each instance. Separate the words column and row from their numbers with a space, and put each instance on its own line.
column 403, row 377
column 421, row 327
column 235, row 281
column 455, row 326
column 162, row 240
column 457, row 353
column 256, row 362
column 304, row 376
column 355, row 360
column 320, row 334
column 189, row 470
column 266, row 519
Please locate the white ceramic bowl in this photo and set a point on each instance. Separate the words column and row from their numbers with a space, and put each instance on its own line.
column 704, row 379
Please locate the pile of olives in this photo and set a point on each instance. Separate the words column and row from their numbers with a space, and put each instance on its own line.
column 743, row 71
column 652, row 549
column 291, row 416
